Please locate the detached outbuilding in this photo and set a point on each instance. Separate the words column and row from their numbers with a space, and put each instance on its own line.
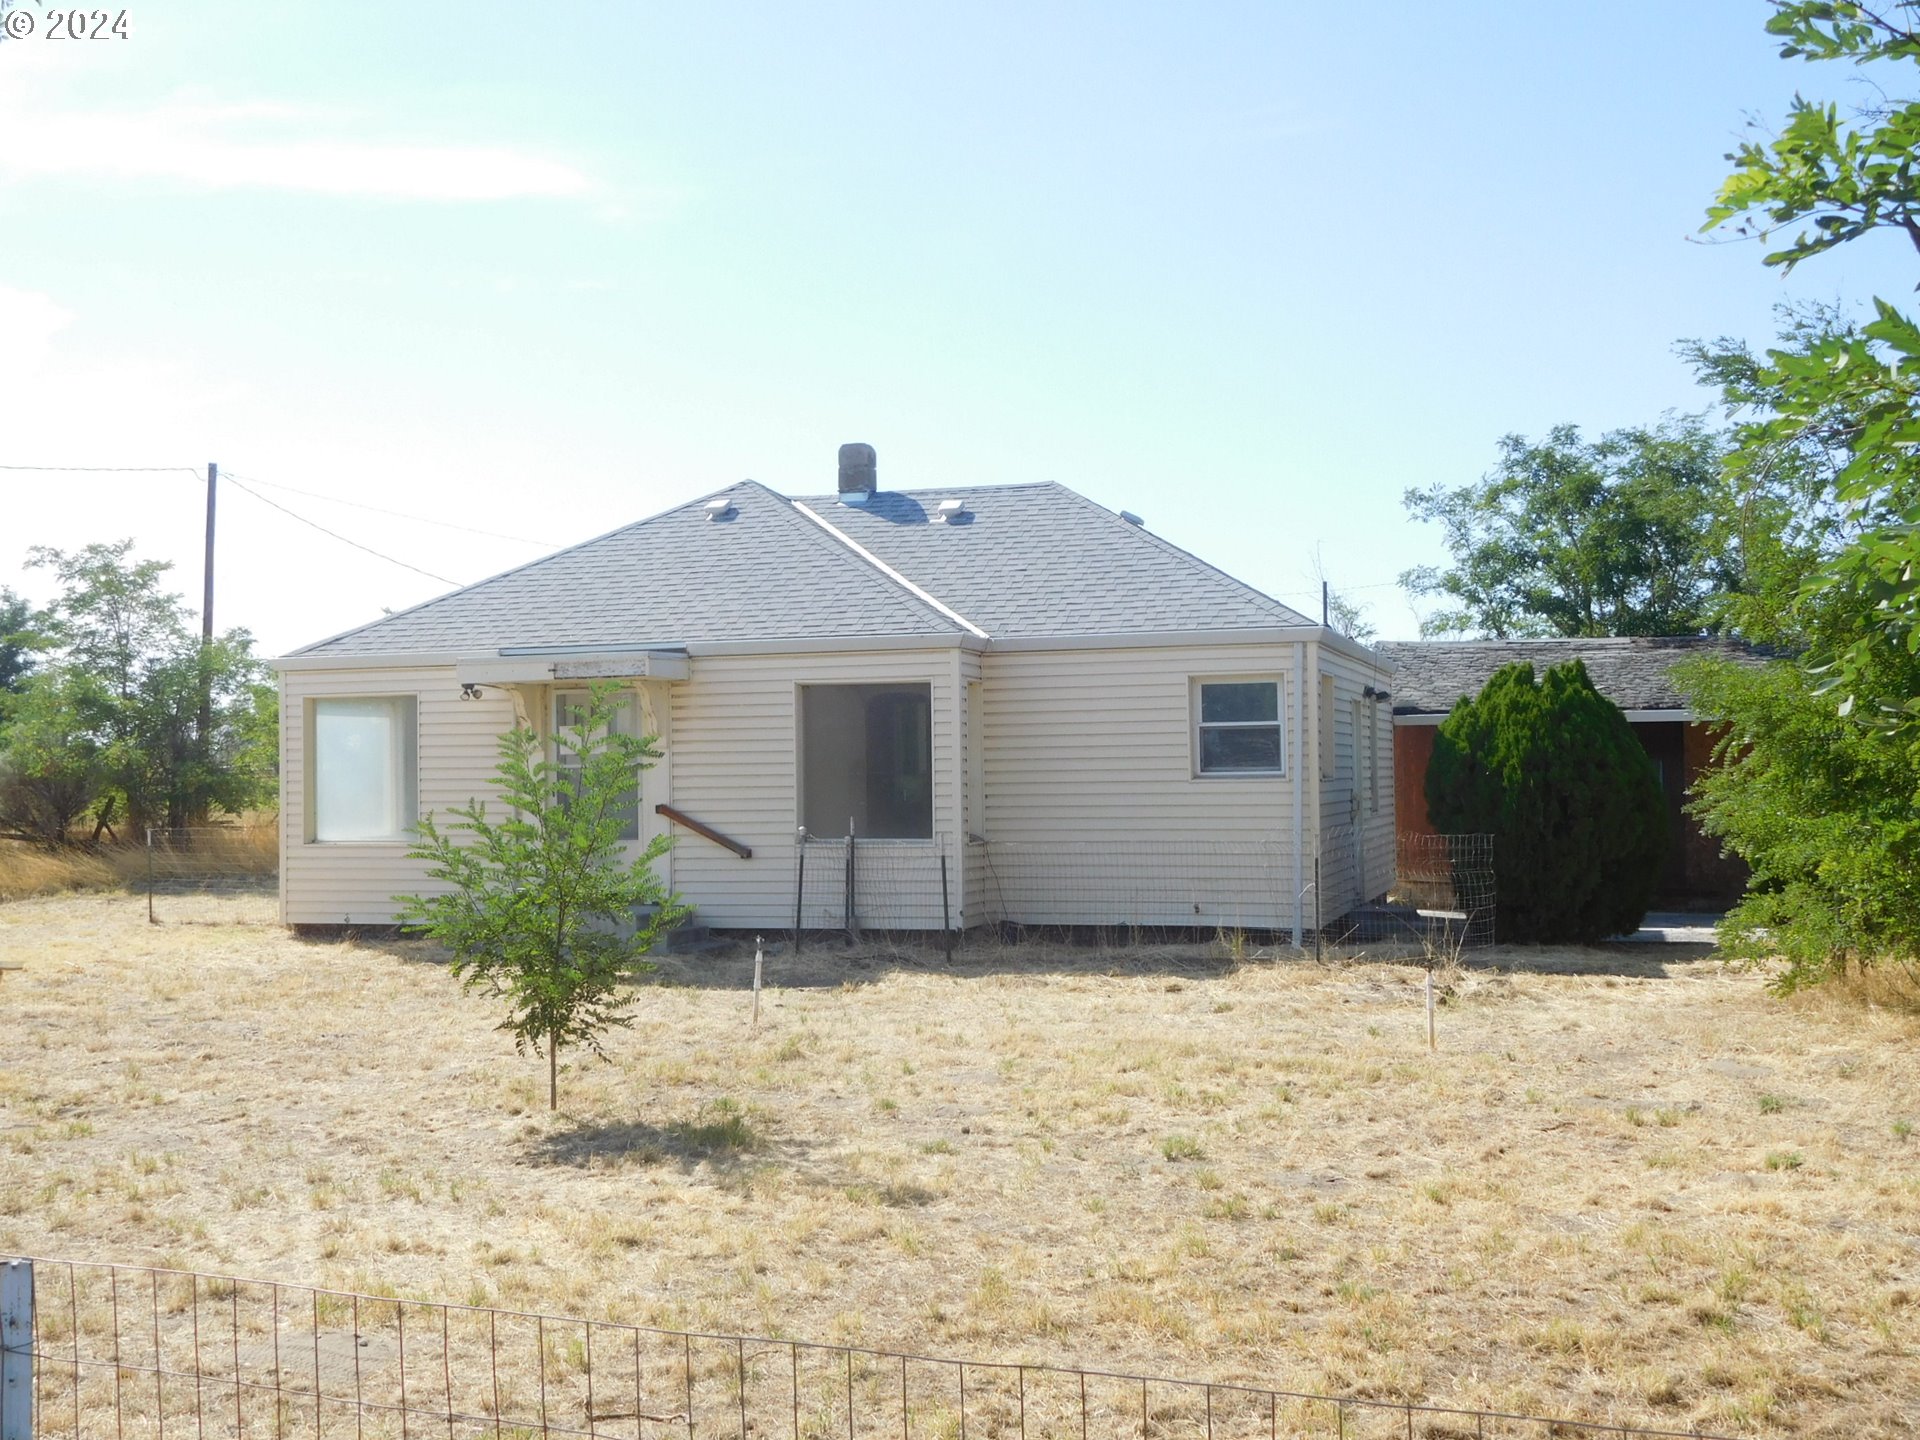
column 1636, row 673
column 1024, row 707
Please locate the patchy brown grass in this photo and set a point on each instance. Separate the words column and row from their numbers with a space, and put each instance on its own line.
column 35, row 870
column 1630, row 1185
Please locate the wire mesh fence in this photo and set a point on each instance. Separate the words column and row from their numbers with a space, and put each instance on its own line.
column 877, row 888
column 226, row 874
column 1440, row 900
column 1363, row 886
column 1112, row 893
column 199, row 874
column 126, row 1351
column 1118, row 891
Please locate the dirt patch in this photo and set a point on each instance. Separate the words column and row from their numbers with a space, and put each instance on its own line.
column 1642, row 1192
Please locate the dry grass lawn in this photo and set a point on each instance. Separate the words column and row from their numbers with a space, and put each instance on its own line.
column 1629, row 1186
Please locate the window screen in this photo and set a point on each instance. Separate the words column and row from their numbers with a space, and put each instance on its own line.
column 363, row 769
column 569, row 710
column 1239, row 730
column 866, row 756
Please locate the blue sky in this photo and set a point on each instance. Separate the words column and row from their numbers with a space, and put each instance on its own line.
column 1248, row 270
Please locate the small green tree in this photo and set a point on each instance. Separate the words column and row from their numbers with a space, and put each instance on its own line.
column 541, row 908
column 1552, row 770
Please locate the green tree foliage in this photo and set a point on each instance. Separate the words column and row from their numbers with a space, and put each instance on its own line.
column 1820, row 764
column 1820, row 803
column 114, row 706
column 1824, row 811
column 1552, row 770
column 540, row 907
column 19, row 639
column 51, row 769
column 1842, row 179
column 1575, row 537
column 1778, row 515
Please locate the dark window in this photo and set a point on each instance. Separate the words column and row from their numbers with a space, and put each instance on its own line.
column 866, row 758
column 1239, row 730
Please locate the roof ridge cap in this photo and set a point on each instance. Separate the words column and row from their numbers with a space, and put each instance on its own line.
column 925, row 596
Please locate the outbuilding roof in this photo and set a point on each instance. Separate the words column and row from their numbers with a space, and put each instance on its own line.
column 1021, row 561
column 1635, row 672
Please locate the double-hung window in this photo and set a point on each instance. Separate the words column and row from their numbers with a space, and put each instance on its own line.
column 361, row 772
column 1237, row 728
column 569, row 712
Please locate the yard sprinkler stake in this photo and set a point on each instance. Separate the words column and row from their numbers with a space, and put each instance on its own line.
column 1432, row 1043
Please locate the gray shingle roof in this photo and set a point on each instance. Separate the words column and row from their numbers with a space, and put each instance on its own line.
column 1039, row 560
column 768, row 573
column 1632, row 671
column 1027, row 560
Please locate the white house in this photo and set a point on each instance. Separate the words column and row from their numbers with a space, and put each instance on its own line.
column 1027, row 708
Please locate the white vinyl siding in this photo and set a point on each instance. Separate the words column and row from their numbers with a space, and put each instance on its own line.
column 736, row 734
column 1356, row 793
column 353, row 883
column 1041, row 752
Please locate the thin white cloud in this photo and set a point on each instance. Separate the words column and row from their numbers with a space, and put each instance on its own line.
column 264, row 146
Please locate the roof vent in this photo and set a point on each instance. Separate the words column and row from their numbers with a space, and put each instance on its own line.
column 951, row 511
column 720, row 508
column 858, row 474
column 1132, row 519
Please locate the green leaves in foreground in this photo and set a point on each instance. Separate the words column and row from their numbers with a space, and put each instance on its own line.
column 542, row 908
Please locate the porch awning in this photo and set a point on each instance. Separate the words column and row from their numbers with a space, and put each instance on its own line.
column 523, row 669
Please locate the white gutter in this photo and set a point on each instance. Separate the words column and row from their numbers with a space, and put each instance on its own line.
column 1299, row 792
column 888, row 571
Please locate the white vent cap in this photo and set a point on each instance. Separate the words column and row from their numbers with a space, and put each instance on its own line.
column 951, row 510
column 719, row 508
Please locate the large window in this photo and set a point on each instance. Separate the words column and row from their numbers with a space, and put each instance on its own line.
column 569, row 710
column 361, row 776
column 866, row 757
column 1238, row 728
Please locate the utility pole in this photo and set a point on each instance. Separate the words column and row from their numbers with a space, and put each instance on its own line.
column 1324, row 606
column 206, row 624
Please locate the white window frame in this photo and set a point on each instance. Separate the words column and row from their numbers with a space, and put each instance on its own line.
column 1196, row 684
column 405, row 765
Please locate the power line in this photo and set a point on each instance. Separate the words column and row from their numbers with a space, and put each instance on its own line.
column 110, row 469
column 336, row 535
column 397, row 514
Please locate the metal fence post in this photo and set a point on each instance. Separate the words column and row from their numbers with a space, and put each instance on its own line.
column 16, row 1350
column 799, row 886
column 150, row 919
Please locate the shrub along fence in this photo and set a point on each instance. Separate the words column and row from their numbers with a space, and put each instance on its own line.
column 96, row 1350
